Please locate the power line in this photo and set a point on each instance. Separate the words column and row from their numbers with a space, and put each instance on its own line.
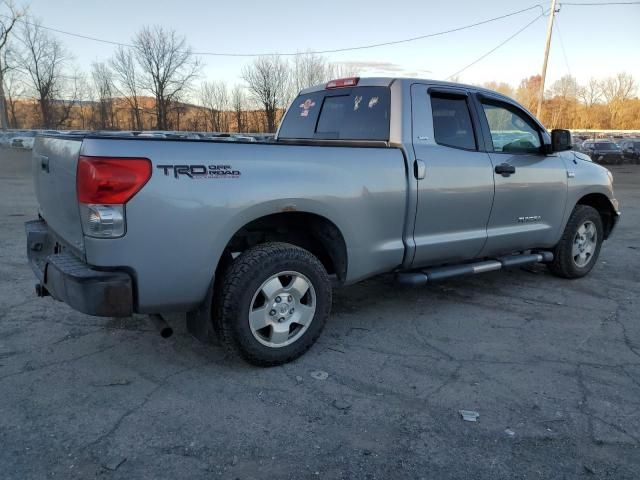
column 564, row 52
column 335, row 50
column 511, row 37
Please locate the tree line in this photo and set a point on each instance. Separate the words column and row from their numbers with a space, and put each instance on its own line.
column 157, row 83
column 610, row 103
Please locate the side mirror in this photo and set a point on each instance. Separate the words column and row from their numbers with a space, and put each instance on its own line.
column 560, row 140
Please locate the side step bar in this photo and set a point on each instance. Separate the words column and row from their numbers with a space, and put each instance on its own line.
column 440, row 273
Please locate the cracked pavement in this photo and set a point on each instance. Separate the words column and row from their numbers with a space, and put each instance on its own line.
column 555, row 361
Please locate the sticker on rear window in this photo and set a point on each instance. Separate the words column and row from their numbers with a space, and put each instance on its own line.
column 356, row 102
column 373, row 102
column 307, row 105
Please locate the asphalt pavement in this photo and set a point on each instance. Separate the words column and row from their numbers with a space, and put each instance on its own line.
column 551, row 366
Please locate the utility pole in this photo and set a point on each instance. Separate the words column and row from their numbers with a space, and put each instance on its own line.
column 552, row 14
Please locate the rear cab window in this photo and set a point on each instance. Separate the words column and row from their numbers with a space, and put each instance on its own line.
column 359, row 113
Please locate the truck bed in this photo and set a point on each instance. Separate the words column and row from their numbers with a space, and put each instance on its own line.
column 184, row 218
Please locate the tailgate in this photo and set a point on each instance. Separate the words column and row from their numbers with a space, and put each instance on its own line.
column 54, row 165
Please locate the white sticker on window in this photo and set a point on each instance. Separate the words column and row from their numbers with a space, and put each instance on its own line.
column 356, row 102
column 307, row 105
column 373, row 102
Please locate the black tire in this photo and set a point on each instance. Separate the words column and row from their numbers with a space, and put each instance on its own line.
column 244, row 278
column 564, row 265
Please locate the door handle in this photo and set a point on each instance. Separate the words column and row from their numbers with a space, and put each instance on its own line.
column 419, row 169
column 505, row 169
column 44, row 163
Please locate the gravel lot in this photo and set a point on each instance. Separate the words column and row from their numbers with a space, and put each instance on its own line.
column 552, row 366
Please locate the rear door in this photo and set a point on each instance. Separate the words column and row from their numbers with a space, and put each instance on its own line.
column 530, row 185
column 454, row 177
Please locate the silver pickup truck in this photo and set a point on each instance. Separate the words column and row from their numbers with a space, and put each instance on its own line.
column 418, row 177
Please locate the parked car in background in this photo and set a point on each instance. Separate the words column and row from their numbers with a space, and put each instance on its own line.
column 631, row 149
column 603, row 151
column 151, row 134
column 24, row 142
column 241, row 138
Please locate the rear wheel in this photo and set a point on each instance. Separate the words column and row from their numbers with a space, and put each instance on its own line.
column 577, row 252
column 274, row 301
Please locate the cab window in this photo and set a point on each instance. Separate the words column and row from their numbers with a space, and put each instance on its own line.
column 452, row 126
column 511, row 130
column 359, row 113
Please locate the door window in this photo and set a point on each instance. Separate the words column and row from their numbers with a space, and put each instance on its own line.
column 452, row 125
column 511, row 131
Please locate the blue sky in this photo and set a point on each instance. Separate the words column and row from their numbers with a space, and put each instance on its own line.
column 598, row 41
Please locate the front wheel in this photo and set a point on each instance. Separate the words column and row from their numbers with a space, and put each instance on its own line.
column 274, row 302
column 577, row 252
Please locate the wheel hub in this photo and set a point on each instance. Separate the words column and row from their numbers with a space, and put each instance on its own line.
column 282, row 309
column 584, row 244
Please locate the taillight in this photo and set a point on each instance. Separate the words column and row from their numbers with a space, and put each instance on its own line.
column 111, row 181
column 343, row 82
column 103, row 186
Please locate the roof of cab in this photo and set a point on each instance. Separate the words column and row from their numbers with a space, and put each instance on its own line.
column 387, row 81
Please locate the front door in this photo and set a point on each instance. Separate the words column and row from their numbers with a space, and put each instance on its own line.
column 530, row 186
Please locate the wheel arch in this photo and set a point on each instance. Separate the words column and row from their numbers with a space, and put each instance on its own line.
column 311, row 231
column 602, row 204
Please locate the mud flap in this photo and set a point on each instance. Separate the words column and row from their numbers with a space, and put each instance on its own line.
column 199, row 321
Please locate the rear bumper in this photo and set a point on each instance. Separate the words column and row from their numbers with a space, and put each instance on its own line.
column 68, row 279
column 607, row 158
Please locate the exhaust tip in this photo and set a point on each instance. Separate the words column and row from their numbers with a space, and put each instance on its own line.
column 166, row 332
column 161, row 324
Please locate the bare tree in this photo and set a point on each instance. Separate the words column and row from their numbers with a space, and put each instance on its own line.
column 528, row 90
column 67, row 99
column 562, row 96
column 215, row 99
column 126, row 83
column 342, row 70
column 616, row 91
column 103, row 82
column 500, row 87
column 168, row 67
column 86, row 101
column 14, row 90
column 238, row 104
column 566, row 88
column 591, row 93
column 307, row 69
column 177, row 110
column 44, row 60
column 9, row 16
column 268, row 83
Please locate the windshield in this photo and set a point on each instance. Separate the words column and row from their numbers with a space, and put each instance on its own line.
column 360, row 113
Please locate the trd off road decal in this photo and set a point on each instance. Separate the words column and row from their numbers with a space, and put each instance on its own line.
column 200, row 171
